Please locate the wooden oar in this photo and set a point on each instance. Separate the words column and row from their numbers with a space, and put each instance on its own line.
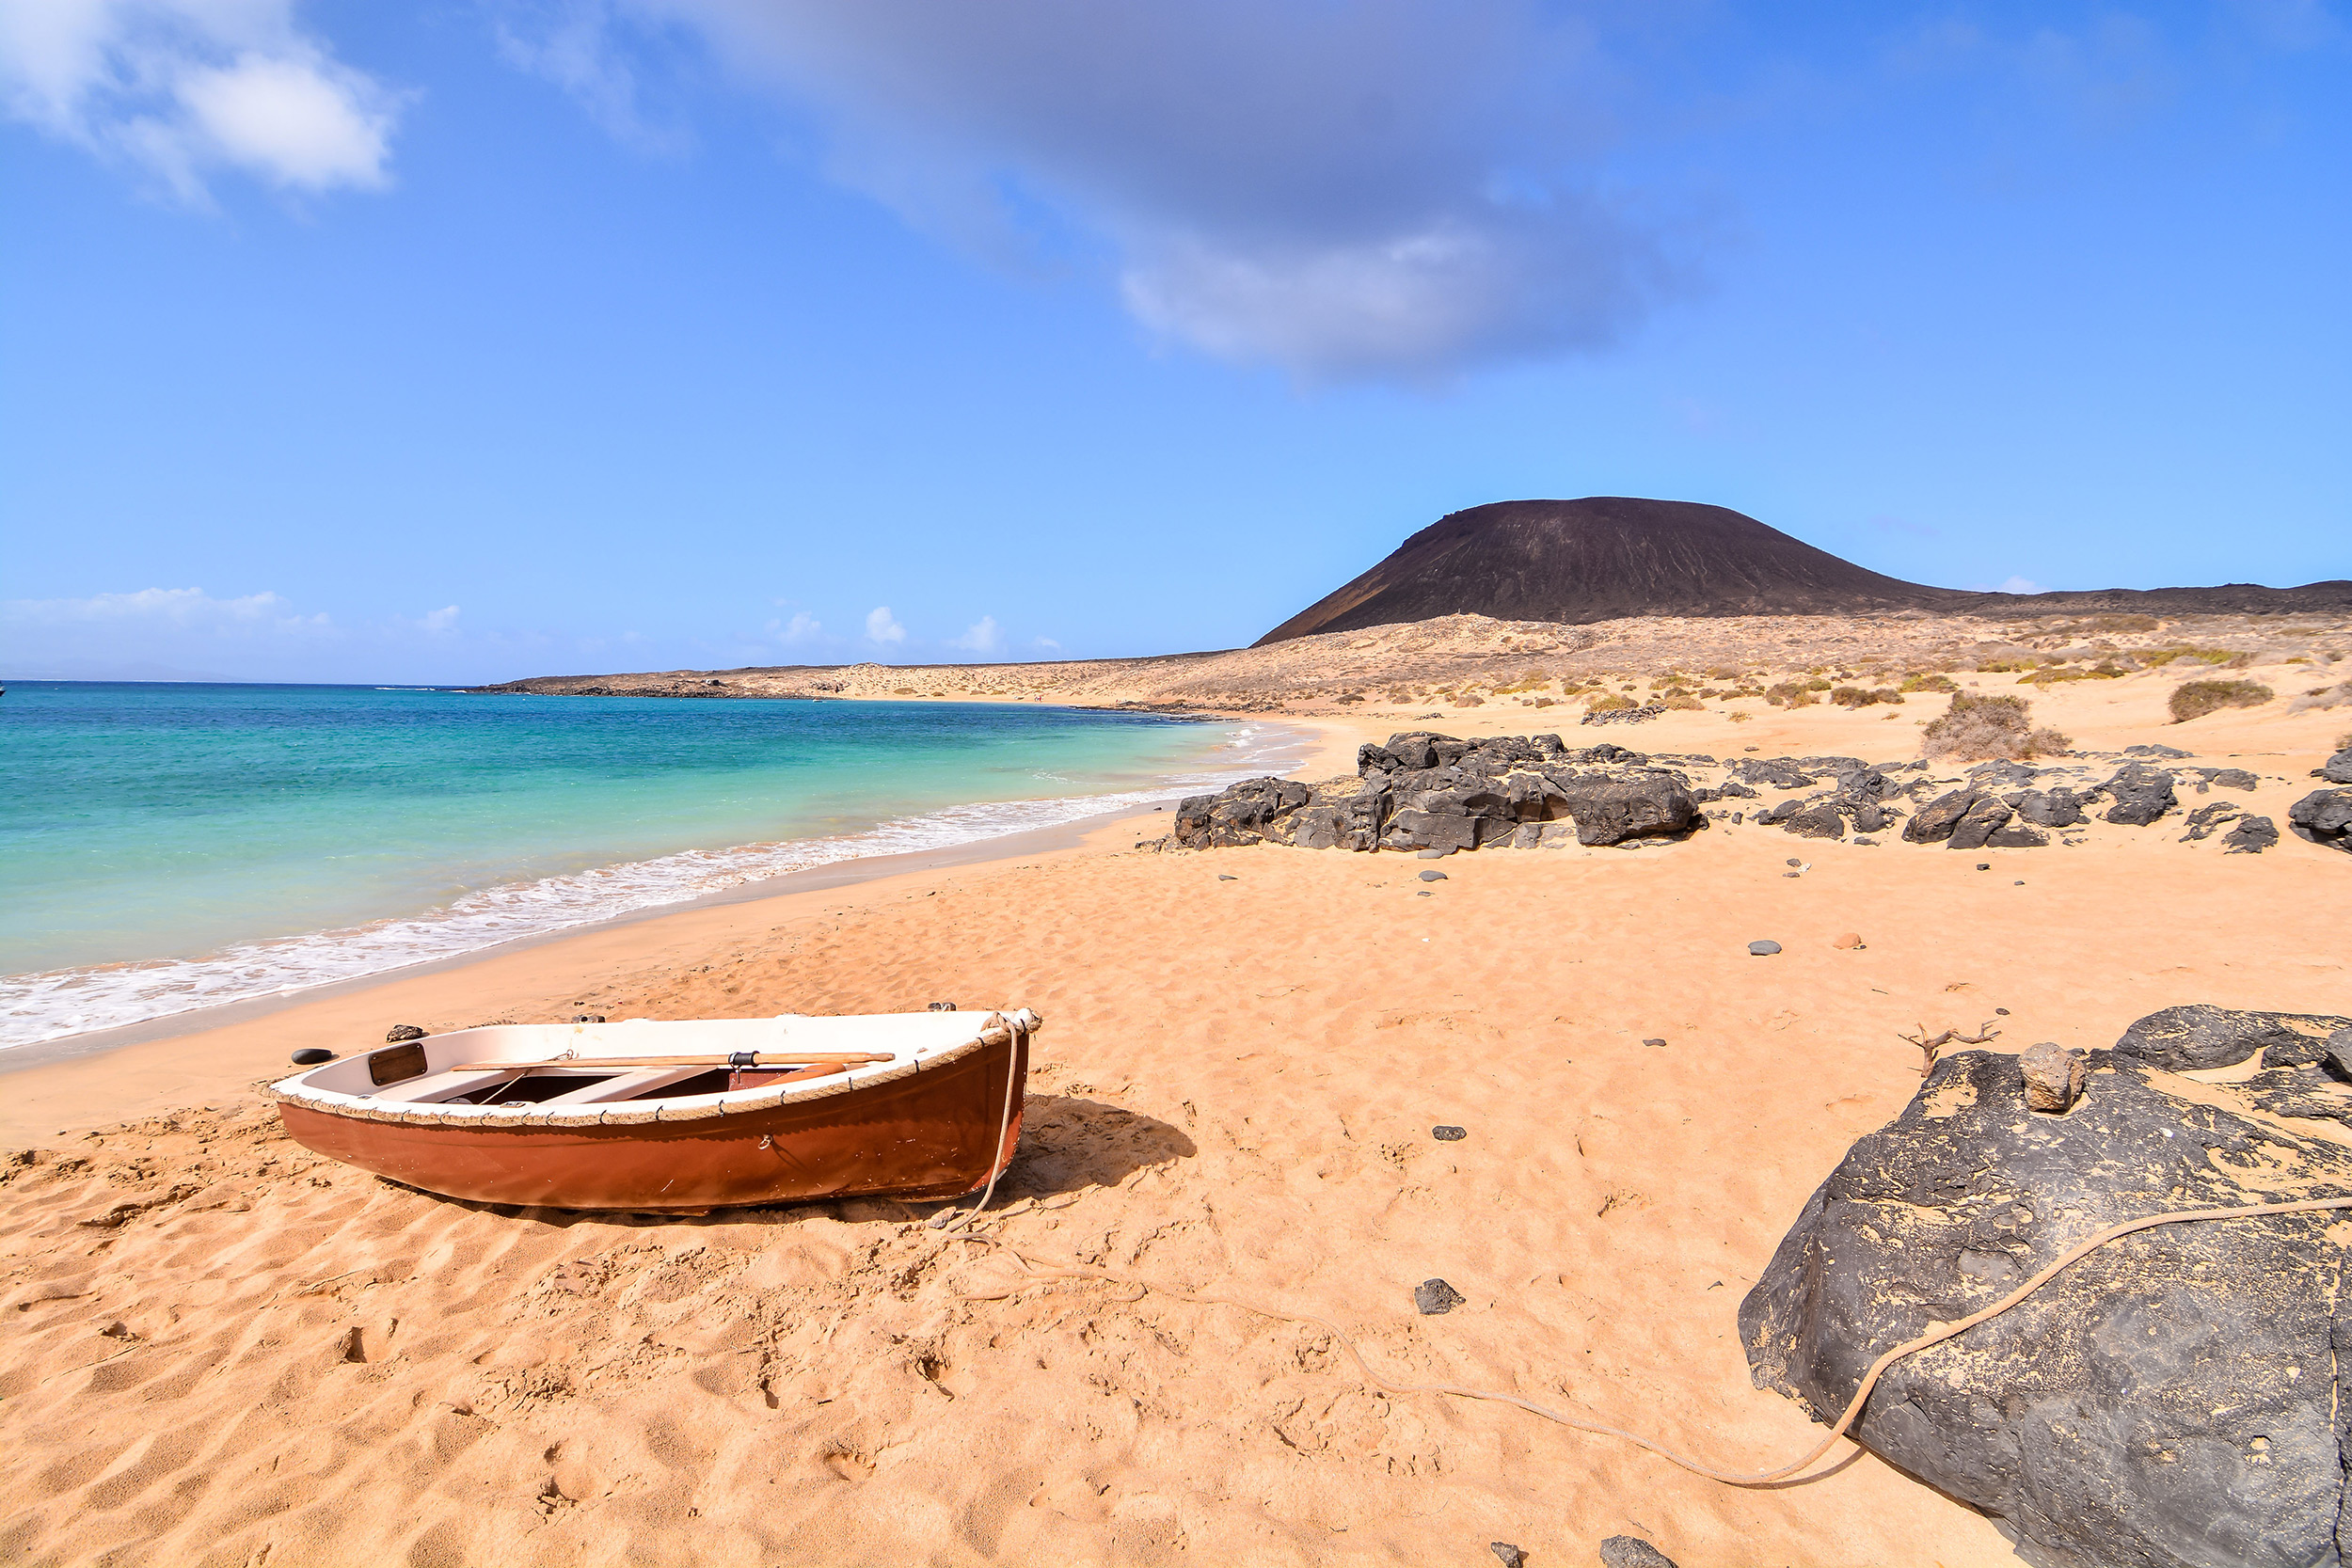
column 712, row 1058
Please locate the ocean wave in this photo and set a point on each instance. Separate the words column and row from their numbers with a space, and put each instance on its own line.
column 61, row 1003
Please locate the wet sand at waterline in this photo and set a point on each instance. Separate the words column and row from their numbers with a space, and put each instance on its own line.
column 221, row 1350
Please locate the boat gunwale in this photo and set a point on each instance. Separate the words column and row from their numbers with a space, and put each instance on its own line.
column 996, row 1028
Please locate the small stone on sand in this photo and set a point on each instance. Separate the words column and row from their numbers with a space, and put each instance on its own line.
column 1512, row 1557
column 1434, row 876
column 1653, row 1042
column 1223, row 878
column 1850, row 939
column 1763, row 949
column 1449, row 1135
column 1434, row 1296
column 1631, row 1551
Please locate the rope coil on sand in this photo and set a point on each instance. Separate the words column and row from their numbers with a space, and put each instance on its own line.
column 1782, row 1475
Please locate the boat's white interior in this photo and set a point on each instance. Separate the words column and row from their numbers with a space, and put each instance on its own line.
column 425, row 1083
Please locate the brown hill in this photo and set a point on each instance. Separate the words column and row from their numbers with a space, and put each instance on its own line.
column 1607, row 557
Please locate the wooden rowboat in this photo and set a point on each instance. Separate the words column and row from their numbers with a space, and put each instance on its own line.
column 685, row 1115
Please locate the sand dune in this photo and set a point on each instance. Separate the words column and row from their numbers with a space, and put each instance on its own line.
column 221, row 1350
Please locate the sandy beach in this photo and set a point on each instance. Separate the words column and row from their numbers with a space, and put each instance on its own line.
column 224, row 1350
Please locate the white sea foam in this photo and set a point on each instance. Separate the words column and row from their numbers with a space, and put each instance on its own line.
column 63, row 1002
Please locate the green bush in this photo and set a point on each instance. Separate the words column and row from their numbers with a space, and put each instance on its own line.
column 2195, row 699
column 1855, row 696
column 1930, row 682
column 1610, row 703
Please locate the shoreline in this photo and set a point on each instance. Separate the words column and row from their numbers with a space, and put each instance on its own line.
column 1285, row 745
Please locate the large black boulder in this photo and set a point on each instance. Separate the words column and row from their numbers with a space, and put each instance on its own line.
column 2199, row 1037
column 1632, row 803
column 1240, row 814
column 1935, row 821
column 2324, row 816
column 2337, row 768
column 2141, row 794
column 2170, row 1399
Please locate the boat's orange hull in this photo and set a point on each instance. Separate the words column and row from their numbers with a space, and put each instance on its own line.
column 933, row 1134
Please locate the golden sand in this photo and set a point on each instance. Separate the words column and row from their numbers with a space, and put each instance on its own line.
column 219, row 1349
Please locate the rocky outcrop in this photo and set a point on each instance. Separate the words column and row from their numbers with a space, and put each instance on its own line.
column 2337, row 768
column 2141, row 794
column 2172, row 1398
column 2324, row 816
column 1423, row 791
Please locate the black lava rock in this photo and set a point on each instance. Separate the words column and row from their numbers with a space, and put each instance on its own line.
column 401, row 1033
column 2050, row 808
column 1631, row 1551
column 1933, row 822
column 2141, row 794
column 1434, row 1296
column 2337, row 768
column 2251, row 836
column 2324, row 816
column 2169, row 1400
column 1980, row 822
column 2195, row 1038
column 1449, row 1135
column 312, row 1056
column 1820, row 820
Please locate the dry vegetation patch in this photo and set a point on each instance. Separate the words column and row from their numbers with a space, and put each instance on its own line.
column 1978, row 728
column 2195, row 699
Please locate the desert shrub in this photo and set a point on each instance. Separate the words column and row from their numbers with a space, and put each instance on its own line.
column 1683, row 699
column 1855, row 696
column 1722, row 672
column 2199, row 656
column 2195, row 699
column 1978, row 728
column 1610, row 703
column 1930, row 682
column 1790, row 694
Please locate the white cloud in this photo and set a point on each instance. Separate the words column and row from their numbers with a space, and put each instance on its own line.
column 181, row 607
column 438, row 622
column 1047, row 645
column 182, row 88
column 1387, row 189
column 985, row 637
column 803, row 627
column 2022, row 585
column 883, row 628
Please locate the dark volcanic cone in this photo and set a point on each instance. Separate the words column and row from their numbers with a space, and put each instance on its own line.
column 1599, row 559
column 1607, row 557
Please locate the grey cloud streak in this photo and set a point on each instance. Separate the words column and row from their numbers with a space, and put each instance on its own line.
column 1394, row 189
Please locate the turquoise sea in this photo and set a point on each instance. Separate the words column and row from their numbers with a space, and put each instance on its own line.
column 169, row 847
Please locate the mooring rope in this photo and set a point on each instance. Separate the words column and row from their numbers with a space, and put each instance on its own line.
column 1783, row 1474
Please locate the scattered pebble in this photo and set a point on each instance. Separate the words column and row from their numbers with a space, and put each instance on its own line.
column 1794, row 860
column 1869, row 843
column 1425, row 893
column 1433, row 854
column 1449, row 1135
column 2001, row 1012
column 587, row 1018
column 310, row 1055
column 2017, row 885
column 1850, row 939
column 400, row 1032
column 1793, row 875
column 1653, row 1042
column 1985, row 865
column 1223, row 878
column 1434, row 1296
column 1512, row 1557
column 1631, row 1551
column 1763, row 949
column 1435, row 877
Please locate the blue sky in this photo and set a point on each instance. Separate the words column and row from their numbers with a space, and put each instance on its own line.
column 473, row 340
